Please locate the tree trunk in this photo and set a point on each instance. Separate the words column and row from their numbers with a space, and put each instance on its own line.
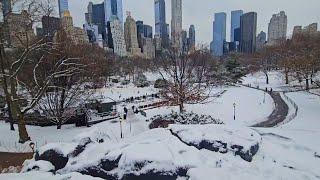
column 287, row 78
column 181, row 108
column 10, row 116
column 307, row 84
column 23, row 134
column 267, row 78
column 5, row 84
column 59, row 125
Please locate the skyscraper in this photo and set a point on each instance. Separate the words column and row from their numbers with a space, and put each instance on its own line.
column 98, row 18
column 160, row 22
column 50, row 25
column 277, row 29
column 63, row 6
column 176, row 24
column 117, row 36
column 185, row 46
column 113, row 8
column 88, row 15
column 248, row 32
column 147, row 31
column 261, row 40
column 192, row 38
column 130, row 36
column 235, row 23
column 140, row 33
column 219, row 33
column 6, row 7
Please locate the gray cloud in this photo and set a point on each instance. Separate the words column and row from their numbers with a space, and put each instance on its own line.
column 201, row 12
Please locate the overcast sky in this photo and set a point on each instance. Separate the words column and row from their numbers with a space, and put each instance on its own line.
column 201, row 12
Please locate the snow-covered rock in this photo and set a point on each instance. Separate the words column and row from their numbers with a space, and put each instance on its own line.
column 43, row 166
column 241, row 141
column 156, row 154
column 181, row 118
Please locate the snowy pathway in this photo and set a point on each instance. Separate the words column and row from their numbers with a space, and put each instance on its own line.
column 278, row 115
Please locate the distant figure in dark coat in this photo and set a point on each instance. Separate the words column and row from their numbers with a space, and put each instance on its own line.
column 125, row 113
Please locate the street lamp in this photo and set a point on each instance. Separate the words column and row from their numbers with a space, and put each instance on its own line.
column 234, row 111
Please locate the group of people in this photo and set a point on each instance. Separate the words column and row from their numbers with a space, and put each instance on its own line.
column 135, row 110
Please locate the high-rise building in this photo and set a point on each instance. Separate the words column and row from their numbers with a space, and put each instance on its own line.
column 88, row 15
column 160, row 22
column 147, row 31
column 219, row 33
column 98, row 18
column 50, row 25
column 20, row 29
column 6, row 7
column 192, row 38
column 149, row 50
column 117, row 37
column 185, row 45
column 176, row 24
column 63, row 6
column 235, row 23
column 75, row 34
column 92, row 32
column 248, row 32
column 261, row 40
column 277, row 29
column 310, row 29
column 67, row 20
column 140, row 33
column 157, row 42
column 113, row 8
column 130, row 36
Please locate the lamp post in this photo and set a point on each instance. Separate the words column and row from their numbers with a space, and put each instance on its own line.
column 121, row 135
column 234, row 111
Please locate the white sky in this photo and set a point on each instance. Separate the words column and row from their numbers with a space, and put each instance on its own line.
column 201, row 12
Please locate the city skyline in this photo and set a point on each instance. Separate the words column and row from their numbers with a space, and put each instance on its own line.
column 205, row 13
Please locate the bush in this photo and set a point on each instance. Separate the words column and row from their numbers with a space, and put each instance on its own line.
column 160, row 83
column 141, row 81
column 163, row 121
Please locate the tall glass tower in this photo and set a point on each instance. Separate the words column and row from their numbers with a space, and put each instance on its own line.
column 219, row 33
column 235, row 23
column 160, row 21
column 113, row 8
column 192, row 37
column 6, row 8
column 63, row 6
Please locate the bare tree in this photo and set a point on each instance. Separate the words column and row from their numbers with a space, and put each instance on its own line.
column 24, row 92
column 186, row 77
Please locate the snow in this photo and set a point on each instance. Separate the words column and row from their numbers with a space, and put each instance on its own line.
column 46, row 176
column 44, row 166
column 249, row 101
column 120, row 93
column 232, row 135
column 287, row 151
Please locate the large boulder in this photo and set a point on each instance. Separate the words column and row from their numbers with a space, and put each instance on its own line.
column 223, row 139
column 158, row 154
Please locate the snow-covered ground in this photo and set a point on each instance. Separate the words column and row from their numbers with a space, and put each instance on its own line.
column 276, row 81
column 289, row 151
column 248, row 101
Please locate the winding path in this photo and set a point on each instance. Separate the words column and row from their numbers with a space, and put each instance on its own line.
column 278, row 115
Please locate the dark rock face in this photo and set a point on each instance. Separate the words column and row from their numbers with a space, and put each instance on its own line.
column 81, row 147
column 103, row 169
column 57, row 159
column 222, row 147
column 160, row 123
